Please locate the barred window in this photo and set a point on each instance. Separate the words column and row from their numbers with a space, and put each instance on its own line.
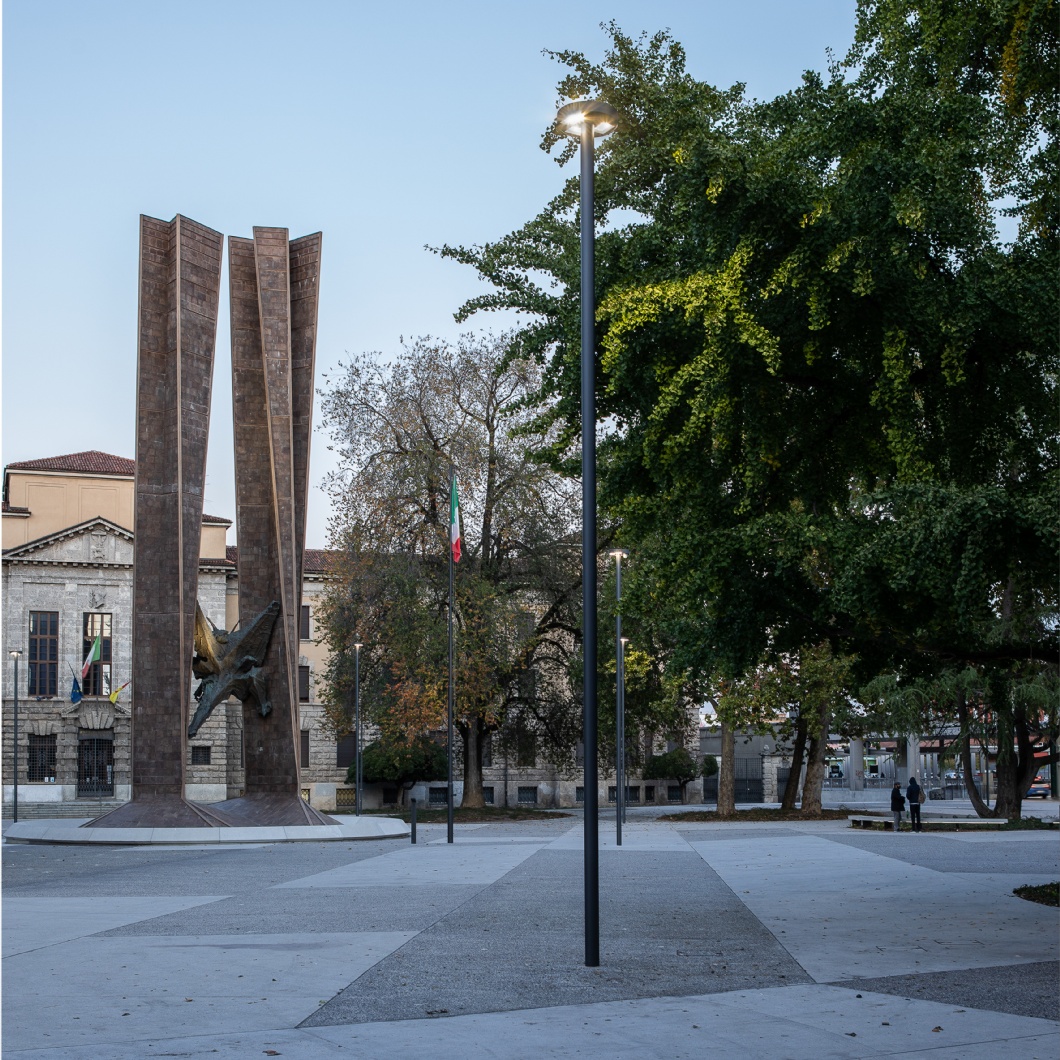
column 200, row 756
column 43, row 652
column 303, row 632
column 346, row 751
column 41, row 764
column 303, row 684
column 303, row 748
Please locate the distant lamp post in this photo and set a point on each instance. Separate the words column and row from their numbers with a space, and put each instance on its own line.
column 618, row 555
column 357, row 728
column 588, row 119
column 16, row 654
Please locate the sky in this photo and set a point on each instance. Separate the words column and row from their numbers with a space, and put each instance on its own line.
column 389, row 127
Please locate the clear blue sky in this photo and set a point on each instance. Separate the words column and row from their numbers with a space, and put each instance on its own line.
column 387, row 126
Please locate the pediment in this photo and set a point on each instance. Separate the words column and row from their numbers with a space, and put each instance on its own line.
column 94, row 543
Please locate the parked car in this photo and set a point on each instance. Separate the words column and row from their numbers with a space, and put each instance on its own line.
column 1039, row 788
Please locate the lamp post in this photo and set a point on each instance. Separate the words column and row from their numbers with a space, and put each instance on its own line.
column 588, row 119
column 357, row 728
column 16, row 654
column 618, row 555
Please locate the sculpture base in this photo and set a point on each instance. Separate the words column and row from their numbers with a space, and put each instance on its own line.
column 267, row 809
column 163, row 811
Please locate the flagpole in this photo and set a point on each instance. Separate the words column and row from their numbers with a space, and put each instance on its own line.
column 449, row 741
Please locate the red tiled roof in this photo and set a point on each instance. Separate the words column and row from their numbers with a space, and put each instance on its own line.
column 92, row 462
column 216, row 519
column 317, row 560
column 320, row 560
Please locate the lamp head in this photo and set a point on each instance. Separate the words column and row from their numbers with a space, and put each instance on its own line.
column 15, row 653
column 625, row 641
column 572, row 116
column 619, row 554
column 358, row 645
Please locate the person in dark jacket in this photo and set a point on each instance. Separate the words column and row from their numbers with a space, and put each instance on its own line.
column 913, row 794
column 897, row 805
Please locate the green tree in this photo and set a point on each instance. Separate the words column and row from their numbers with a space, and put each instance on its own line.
column 827, row 383
column 402, row 762
column 677, row 764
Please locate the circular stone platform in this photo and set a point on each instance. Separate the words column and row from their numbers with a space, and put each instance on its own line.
column 59, row 830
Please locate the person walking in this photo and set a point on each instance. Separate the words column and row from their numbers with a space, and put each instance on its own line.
column 897, row 805
column 915, row 794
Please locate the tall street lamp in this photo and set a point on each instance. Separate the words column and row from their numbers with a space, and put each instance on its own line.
column 16, row 654
column 618, row 555
column 357, row 728
column 588, row 119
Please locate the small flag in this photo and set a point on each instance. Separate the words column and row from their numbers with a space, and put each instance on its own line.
column 93, row 656
column 114, row 694
column 75, row 692
column 455, row 540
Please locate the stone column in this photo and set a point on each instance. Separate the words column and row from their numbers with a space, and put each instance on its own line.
column 856, row 769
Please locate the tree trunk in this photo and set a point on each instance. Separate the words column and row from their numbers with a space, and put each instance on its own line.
column 1009, row 802
column 811, row 790
column 727, row 773
column 980, row 807
column 472, row 731
column 791, row 789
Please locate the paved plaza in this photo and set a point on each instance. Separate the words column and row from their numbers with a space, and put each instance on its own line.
column 763, row 940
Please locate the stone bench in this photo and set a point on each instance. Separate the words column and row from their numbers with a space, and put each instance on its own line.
column 866, row 820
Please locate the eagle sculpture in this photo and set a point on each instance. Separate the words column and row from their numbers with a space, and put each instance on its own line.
column 230, row 664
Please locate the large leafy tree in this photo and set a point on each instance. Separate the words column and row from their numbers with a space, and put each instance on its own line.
column 399, row 427
column 827, row 382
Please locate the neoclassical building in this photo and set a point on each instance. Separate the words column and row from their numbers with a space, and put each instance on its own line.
column 67, row 576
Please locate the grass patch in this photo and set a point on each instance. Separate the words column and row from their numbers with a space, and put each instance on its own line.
column 486, row 815
column 1043, row 894
column 756, row 815
column 1028, row 824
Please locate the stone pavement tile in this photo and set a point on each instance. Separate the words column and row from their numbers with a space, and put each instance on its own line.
column 130, row 989
column 37, row 923
column 843, row 913
column 1023, row 990
column 885, row 1024
column 795, row 1022
column 428, row 865
column 634, row 838
column 315, row 909
column 669, row 926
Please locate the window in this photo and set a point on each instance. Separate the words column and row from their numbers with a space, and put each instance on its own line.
column 43, row 651
column 632, row 795
column 345, row 751
column 200, row 756
column 97, row 680
column 41, row 764
column 579, row 794
column 612, row 793
column 390, row 796
column 487, row 751
column 437, row 797
column 303, row 684
column 487, row 796
column 673, row 793
column 303, row 632
column 649, row 792
column 528, row 796
column 525, row 749
column 303, row 748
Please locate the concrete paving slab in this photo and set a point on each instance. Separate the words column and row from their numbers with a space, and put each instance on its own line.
column 843, row 913
column 125, row 990
column 425, row 865
column 759, row 1025
column 36, row 923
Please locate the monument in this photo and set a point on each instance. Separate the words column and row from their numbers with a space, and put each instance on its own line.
column 274, row 285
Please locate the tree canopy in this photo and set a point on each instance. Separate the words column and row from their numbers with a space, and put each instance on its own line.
column 827, row 366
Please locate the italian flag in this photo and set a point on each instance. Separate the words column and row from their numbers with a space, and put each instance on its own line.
column 93, row 656
column 454, row 522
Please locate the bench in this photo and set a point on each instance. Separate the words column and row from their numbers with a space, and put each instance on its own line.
column 867, row 820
